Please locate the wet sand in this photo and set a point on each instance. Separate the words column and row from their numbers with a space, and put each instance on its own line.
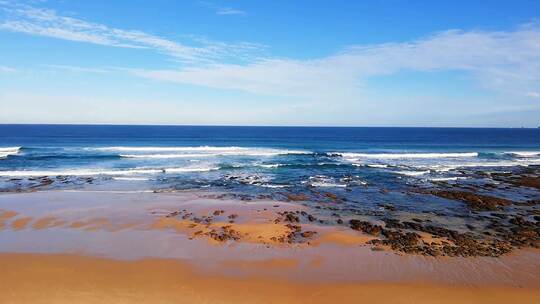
column 104, row 247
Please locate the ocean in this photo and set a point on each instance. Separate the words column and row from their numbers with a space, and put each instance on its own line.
column 455, row 182
column 199, row 156
column 255, row 159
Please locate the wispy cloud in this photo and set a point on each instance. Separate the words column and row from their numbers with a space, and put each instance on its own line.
column 501, row 61
column 533, row 94
column 6, row 69
column 229, row 11
column 78, row 69
column 45, row 22
column 221, row 10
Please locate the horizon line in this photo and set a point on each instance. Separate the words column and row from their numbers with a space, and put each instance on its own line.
column 253, row 126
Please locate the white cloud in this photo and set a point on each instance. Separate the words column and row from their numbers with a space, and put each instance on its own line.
column 220, row 10
column 533, row 94
column 6, row 69
column 508, row 62
column 78, row 69
column 45, row 22
column 230, row 11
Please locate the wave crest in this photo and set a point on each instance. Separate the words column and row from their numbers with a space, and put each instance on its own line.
column 210, row 150
column 7, row 151
column 93, row 172
column 406, row 155
column 164, row 155
column 524, row 153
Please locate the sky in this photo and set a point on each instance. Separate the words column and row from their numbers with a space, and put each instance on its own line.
column 279, row 62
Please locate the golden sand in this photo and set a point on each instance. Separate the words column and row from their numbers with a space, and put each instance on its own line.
column 342, row 237
column 59, row 279
column 263, row 233
column 257, row 266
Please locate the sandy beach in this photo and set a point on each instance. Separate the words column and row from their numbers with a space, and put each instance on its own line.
column 31, row 278
column 269, row 152
column 199, row 247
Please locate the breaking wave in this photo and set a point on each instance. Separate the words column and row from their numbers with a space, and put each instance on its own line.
column 524, row 153
column 204, row 151
column 165, row 155
column 406, row 155
column 5, row 152
column 412, row 173
column 93, row 172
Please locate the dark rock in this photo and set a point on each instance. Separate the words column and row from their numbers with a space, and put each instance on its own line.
column 474, row 201
column 526, row 181
column 308, row 234
column 366, row 227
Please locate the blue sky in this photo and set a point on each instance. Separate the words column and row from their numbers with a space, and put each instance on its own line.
column 342, row 63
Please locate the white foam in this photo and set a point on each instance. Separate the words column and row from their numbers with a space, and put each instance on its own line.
column 270, row 165
column 168, row 149
column 81, row 172
column 206, row 150
column 130, row 178
column 7, row 151
column 180, row 170
column 164, row 155
column 260, row 153
column 10, row 149
column 524, row 153
column 406, row 155
column 324, row 181
column 443, row 179
column 92, row 172
column 355, row 181
column 412, row 173
column 273, row 186
column 529, row 160
column 105, row 191
column 325, row 184
column 377, row 166
column 445, row 168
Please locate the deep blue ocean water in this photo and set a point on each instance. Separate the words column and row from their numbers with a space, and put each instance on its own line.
column 184, row 157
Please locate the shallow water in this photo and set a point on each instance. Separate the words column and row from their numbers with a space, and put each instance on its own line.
column 318, row 262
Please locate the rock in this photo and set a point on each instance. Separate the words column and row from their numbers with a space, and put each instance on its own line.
column 474, row 201
column 366, row 227
column 331, row 195
column 289, row 216
column 308, row 234
column 526, row 181
column 296, row 197
column 218, row 212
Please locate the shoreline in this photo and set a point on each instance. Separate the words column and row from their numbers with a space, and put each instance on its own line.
column 130, row 227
